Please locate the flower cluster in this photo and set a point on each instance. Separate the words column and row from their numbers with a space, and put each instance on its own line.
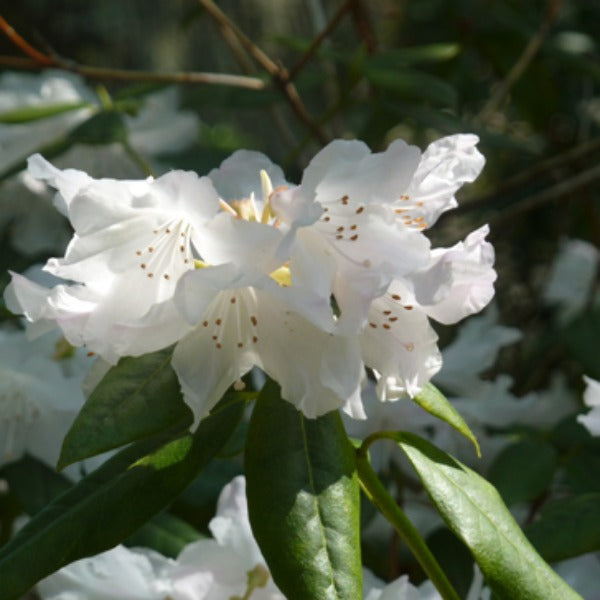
column 239, row 268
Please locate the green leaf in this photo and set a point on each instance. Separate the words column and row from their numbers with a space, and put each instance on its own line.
column 436, row 404
column 27, row 114
column 567, row 527
column 303, row 500
column 114, row 501
column 137, row 398
column 33, row 483
column 536, row 465
column 403, row 57
column 412, row 85
column 475, row 513
column 166, row 534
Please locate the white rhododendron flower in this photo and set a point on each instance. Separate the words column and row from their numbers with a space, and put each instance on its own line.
column 310, row 283
column 380, row 268
column 132, row 242
column 591, row 398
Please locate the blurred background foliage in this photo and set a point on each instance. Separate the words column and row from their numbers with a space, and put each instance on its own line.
column 524, row 76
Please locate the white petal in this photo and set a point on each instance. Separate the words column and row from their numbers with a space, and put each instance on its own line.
column 238, row 177
column 445, row 166
column 471, row 267
column 348, row 168
column 401, row 345
column 119, row 573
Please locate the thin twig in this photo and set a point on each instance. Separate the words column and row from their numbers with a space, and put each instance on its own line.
column 548, row 195
column 333, row 23
column 360, row 17
column 23, row 45
column 102, row 73
column 278, row 74
column 560, row 160
column 517, row 70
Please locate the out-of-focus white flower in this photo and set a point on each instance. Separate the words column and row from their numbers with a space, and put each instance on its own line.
column 591, row 398
column 40, row 395
column 228, row 565
column 582, row 573
column 572, row 276
column 225, row 566
column 158, row 128
column 51, row 88
column 119, row 574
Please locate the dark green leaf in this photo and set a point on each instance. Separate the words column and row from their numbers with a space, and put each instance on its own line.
column 522, row 471
column 113, row 502
column 33, row 483
column 137, row 398
column 166, row 534
column 475, row 513
column 436, row 404
column 303, row 500
column 412, row 85
column 567, row 528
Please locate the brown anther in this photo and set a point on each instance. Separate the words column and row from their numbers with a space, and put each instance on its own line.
column 254, row 339
column 240, row 345
column 395, row 297
column 392, row 319
column 326, row 219
column 218, row 321
column 359, row 210
column 205, row 323
column 339, row 236
column 353, row 227
column 138, row 252
column 420, row 203
column 408, row 307
column 219, row 346
column 254, row 320
column 354, row 237
column 325, row 209
column 155, row 231
column 150, row 249
column 181, row 248
column 386, row 326
column 166, row 276
column 387, row 312
column 345, row 200
column 418, row 219
column 373, row 325
column 186, row 261
column 404, row 197
column 91, row 354
column 399, row 211
column 232, row 300
column 214, row 337
column 167, row 230
column 143, row 266
column 341, row 228
column 150, row 275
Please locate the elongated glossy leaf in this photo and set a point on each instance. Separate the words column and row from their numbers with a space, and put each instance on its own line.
column 33, row 483
column 303, row 500
column 166, row 534
column 567, row 528
column 474, row 511
column 137, row 398
column 113, row 502
column 27, row 114
column 436, row 404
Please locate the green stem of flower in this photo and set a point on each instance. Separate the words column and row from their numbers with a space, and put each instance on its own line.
column 379, row 496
